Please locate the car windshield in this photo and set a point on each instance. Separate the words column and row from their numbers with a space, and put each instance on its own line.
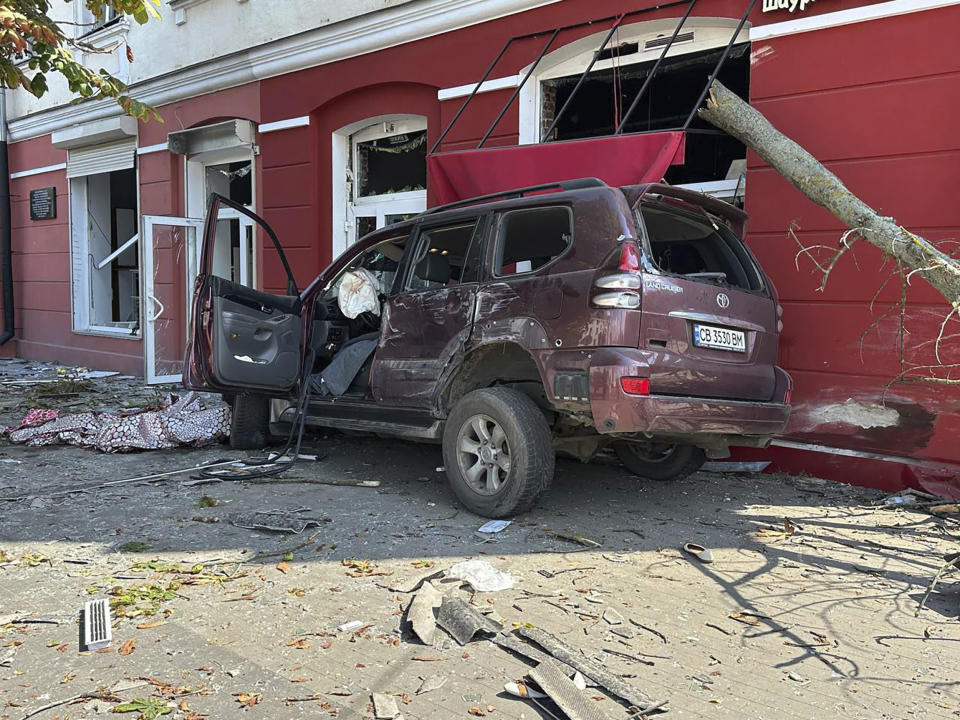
column 691, row 243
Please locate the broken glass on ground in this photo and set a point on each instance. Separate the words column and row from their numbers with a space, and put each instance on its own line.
column 276, row 522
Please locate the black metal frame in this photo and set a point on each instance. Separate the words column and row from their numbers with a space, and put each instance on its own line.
column 617, row 22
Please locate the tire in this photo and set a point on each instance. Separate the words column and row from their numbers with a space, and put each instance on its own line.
column 523, row 467
column 250, row 422
column 663, row 463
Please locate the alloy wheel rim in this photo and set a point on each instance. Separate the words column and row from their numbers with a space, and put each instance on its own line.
column 483, row 454
column 654, row 453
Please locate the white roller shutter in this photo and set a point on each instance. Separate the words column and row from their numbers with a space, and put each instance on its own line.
column 96, row 159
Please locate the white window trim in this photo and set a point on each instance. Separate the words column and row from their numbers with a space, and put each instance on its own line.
column 81, row 264
column 342, row 145
column 573, row 58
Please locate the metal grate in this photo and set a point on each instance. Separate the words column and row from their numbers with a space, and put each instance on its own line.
column 661, row 41
column 97, row 632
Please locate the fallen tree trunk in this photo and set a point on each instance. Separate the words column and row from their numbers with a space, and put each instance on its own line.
column 728, row 112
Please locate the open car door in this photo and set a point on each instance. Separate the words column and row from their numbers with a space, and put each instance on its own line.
column 243, row 340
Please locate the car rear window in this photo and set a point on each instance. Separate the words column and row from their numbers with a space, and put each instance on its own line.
column 695, row 245
column 532, row 237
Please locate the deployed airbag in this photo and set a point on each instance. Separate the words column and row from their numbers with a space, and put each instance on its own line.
column 359, row 292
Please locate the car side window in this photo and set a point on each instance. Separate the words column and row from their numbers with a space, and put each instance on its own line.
column 446, row 255
column 532, row 237
column 382, row 261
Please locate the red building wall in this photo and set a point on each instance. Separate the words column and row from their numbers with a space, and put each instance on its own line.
column 876, row 109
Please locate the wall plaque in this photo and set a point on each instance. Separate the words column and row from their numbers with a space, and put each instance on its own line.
column 43, row 203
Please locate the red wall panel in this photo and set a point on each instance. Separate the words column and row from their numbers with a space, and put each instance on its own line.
column 880, row 121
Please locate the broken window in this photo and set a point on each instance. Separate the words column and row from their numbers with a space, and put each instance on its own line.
column 603, row 98
column 106, row 275
column 233, row 250
column 447, row 255
column 392, row 164
column 693, row 244
column 531, row 238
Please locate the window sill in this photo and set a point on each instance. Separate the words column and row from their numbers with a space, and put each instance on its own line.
column 99, row 331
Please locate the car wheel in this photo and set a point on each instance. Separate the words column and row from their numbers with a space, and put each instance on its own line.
column 250, row 422
column 660, row 461
column 498, row 452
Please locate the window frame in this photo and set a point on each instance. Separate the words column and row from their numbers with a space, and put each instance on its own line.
column 478, row 238
column 497, row 257
column 81, row 288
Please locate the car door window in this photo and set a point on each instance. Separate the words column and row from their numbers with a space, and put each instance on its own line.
column 531, row 238
column 446, row 255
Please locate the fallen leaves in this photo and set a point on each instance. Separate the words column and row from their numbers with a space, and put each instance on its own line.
column 67, row 678
column 128, row 647
column 149, row 708
column 207, row 502
column 297, row 591
column 777, row 534
column 363, row 568
column 248, row 699
column 152, row 624
column 427, row 658
column 33, row 559
column 423, row 564
column 746, row 618
column 299, row 643
column 283, row 566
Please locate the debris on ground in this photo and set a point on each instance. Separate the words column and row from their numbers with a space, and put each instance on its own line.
column 494, row 526
column 578, row 539
column 180, row 420
column 421, row 613
column 431, row 683
column 564, row 693
column 699, row 552
column 463, row 621
column 481, row 576
column 274, row 521
column 385, row 707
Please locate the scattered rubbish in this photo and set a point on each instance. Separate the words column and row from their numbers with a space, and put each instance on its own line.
column 97, row 631
column 384, row 707
column 521, row 690
column 579, row 681
column 717, row 627
column 634, row 658
column 578, row 539
column 181, row 420
column 276, row 522
column 350, row 626
column 494, row 526
column 481, row 576
column 463, row 621
column 798, row 678
column 430, row 683
column 421, row 613
column 591, row 669
column 546, row 573
column 617, row 558
column 407, row 589
column 951, row 508
column 564, row 693
column 622, row 632
column 511, row 642
column 699, row 552
column 736, row 467
column 612, row 617
column 441, row 468
column 11, row 461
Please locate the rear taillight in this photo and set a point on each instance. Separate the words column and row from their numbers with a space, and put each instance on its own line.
column 625, row 282
column 635, row 385
column 629, row 256
column 786, row 398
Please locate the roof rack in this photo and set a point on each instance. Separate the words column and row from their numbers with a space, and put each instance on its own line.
column 578, row 184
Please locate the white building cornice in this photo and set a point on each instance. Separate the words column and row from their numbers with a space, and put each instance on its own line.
column 338, row 41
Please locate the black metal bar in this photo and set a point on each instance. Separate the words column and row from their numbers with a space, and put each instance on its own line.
column 653, row 71
column 466, row 102
column 520, row 87
column 583, row 76
column 720, row 62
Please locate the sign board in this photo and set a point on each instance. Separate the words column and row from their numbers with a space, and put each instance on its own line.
column 43, row 203
column 790, row 5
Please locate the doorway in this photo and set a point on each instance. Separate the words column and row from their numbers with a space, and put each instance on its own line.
column 172, row 254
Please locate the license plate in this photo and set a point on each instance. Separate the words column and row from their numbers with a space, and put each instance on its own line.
column 719, row 338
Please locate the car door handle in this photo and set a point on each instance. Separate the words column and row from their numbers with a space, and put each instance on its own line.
column 153, row 299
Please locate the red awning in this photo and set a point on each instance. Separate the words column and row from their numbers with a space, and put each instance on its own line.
column 616, row 159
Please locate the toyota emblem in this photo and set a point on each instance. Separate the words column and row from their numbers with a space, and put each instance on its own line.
column 722, row 300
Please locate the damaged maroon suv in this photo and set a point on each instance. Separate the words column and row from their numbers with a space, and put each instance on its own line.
column 565, row 318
